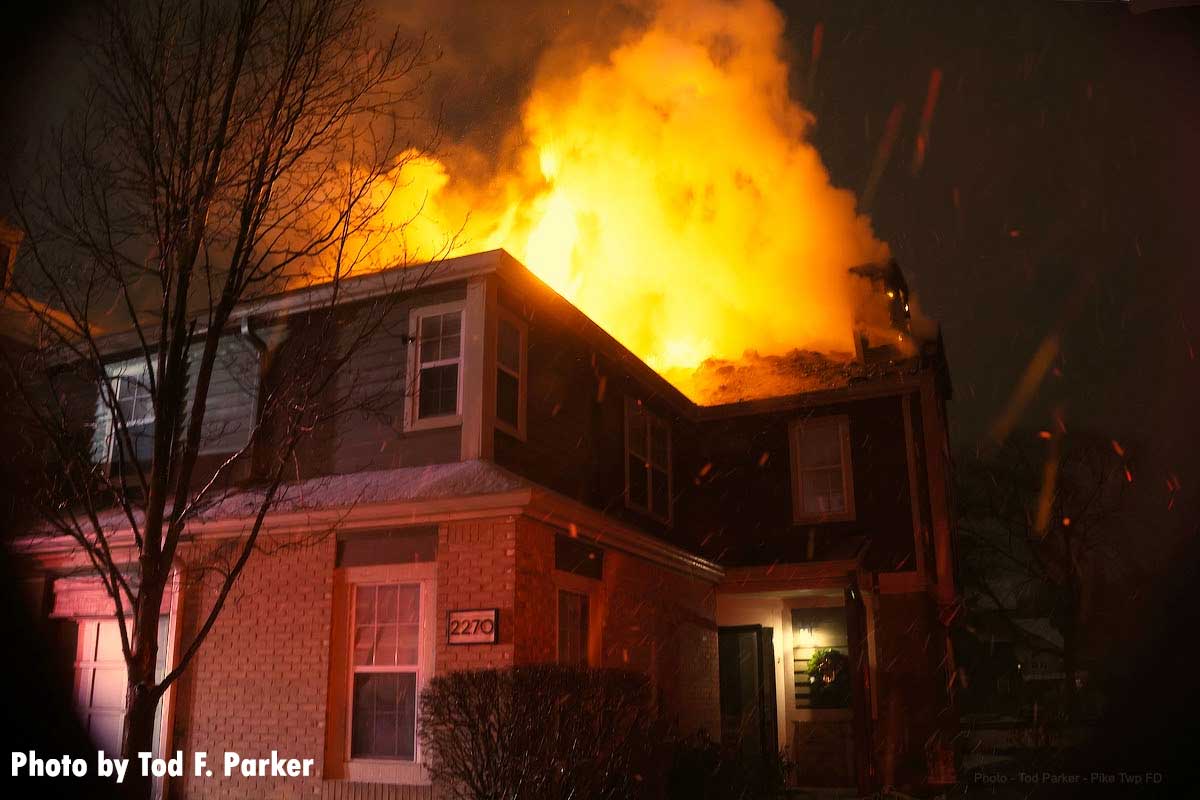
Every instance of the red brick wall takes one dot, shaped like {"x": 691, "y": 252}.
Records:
{"x": 259, "y": 682}
{"x": 654, "y": 620}
{"x": 476, "y": 569}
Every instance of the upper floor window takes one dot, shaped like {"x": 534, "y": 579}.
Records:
{"x": 437, "y": 365}
{"x": 647, "y": 461}
{"x": 822, "y": 477}
{"x": 132, "y": 442}
{"x": 510, "y": 375}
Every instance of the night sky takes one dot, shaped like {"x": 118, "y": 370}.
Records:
{"x": 1058, "y": 192}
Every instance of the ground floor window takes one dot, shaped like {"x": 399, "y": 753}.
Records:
{"x": 572, "y": 627}
{"x": 385, "y": 657}
{"x": 387, "y": 647}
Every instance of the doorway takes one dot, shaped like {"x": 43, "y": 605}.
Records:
{"x": 747, "y": 681}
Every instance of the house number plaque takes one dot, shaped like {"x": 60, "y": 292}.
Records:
{"x": 478, "y": 626}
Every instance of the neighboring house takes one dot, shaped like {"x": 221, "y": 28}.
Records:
{"x": 533, "y": 482}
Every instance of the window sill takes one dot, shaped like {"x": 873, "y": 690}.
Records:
{"x": 820, "y": 519}
{"x": 412, "y": 773}
{"x": 433, "y": 423}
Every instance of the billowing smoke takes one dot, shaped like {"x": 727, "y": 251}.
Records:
{"x": 658, "y": 176}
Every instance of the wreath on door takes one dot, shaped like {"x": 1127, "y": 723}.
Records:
{"x": 829, "y": 679}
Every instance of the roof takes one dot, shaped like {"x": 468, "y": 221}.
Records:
{"x": 794, "y": 374}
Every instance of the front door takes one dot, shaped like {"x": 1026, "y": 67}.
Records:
{"x": 747, "y": 676}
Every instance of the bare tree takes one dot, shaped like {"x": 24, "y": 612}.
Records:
{"x": 1041, "y": 525}
{"x": 222, "y": 152}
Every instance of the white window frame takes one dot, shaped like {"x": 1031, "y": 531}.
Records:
{"x": 105, "y": 440}
{"x": 380, "y": 770}
{"x": 521, "y": 374}
{"x": 795, "y": 429}
{"x": 633, "y": 406}
{"x": 412, "y": 422}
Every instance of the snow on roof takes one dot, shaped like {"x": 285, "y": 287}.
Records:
{"x": 405, "y": 484}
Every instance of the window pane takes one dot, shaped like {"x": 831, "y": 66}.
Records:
{"x": 385, "y": 604}
{"x": 364, "y": 604}
{"x": 637, "y": 482}
{"x": 408, "y": 644}
{"x": 660, "y": 494}
{"x": 660, "y": 443}
{"x": 384, "y": 716}
{"x": 431, "y": 328}
{"x": 507, "y": 397}
{"x": 820, "y": 446}
{"x": 508, "y": 346}
{"x": 408, "y": 603}
{"x": 438, "y": 391}
{"x": 143, "y": 442}
{"x": 451, "y": 346}
{"x": 635, "y": 440}
{"x": 364, "y": 644}
{"x": 385, "y": 645}
{"x": 452, "y": 323}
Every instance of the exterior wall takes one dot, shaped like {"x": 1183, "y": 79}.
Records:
{"x": 477, "y": 569}
{"x": 644, "y": 617}
{"x": 575, "y": 429}
{"x": 740, "y": 510}
{"x": 916, "y": 717}
{"x": 259, "y": 681}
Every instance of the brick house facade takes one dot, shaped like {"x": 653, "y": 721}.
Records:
{"x": 703, "y": 543}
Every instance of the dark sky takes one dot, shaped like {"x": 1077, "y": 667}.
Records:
{"x": 1058, "y": 192}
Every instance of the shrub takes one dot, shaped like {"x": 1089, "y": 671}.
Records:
{"x": 705, "y": 770}
{"x": 542, "y": 731}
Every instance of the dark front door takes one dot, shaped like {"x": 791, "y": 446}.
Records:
{"x": 747, "y": 666}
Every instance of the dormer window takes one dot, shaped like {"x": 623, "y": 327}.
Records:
{"x": 822, "y": 477}
{"x": 647, "y": 461}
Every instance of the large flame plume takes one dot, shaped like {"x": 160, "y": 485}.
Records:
{"x": 669, "y": 192}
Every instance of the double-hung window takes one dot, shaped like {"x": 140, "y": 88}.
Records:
{"x": 510, "y": 375}
{"x": 387, "y": 650}
{"x": 436, "y": 388}
{"x": 388, "y": 615}
{"x": 119, "y": 445}
{"x": 822, "y": 477}
{"x": 647, "y": 461}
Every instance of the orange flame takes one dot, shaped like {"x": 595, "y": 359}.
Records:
{"x": 668, "y": 191}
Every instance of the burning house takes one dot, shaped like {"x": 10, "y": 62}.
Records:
{"x": 777, "y": 558}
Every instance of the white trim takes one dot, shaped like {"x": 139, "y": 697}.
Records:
{"x": 795, "y": 427}
{"x": 423, "y": 574}
{"x": 413, "y": 380}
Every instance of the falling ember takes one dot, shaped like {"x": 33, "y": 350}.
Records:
{"x": 1120, "y": 451}
{"x": 668, "y": 191}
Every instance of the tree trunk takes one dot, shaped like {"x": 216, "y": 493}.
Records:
{"x": 141, "y": 693}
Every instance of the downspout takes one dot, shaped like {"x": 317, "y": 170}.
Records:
{"x": 250, "y": 337}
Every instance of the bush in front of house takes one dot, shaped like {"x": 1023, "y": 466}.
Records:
{"x": 543, "y": 731}
{"x": 703, "y": 769}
